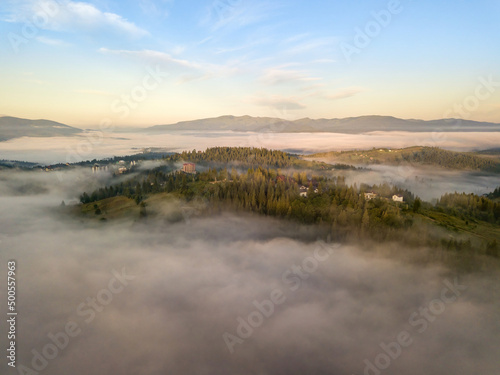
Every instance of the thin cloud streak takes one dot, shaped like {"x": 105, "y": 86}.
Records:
{"x": 274, "y": 76}
{"x": 53, "y": 42}
{"x": 76, "y": 16}
{"x": 278, "y": 102}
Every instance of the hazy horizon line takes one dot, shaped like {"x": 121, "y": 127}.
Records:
{"x": 144, "y": 126}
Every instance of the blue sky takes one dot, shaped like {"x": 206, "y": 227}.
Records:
{"x": 148, "y": 62}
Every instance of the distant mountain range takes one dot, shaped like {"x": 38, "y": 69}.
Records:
{"x": 14, "y": 127}
{"x": 351, "y": 125}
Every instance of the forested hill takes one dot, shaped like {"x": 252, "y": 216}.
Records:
{"x": 451, "y": 159}
{"x": 251, "y": 157}
{"x": 432, "y": 156}
{"x": 379, "y": 212}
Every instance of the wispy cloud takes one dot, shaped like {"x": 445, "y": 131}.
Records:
{"x": 324, "y": 61}
{"x": 154, "y": 8}
{"x": 177, "y": 50}
{"x": 93, "y": 92}
{"x": 236, "y": 13}
{"x": 75, "y": 16}
{"x": 315, "y": 86}
{"x": 343, "y": 93}
{"x": 188, "y": 70}
{"x": 323, "y": 45}
{"x": 205, "y": 40}
{"x": 30, "y": 77}
{"x": 152, "y": 55}
{"x": 274, "y": 76}
{"x": 222, "y": 50}
{"x": 53, "y": 42}
{"x": 278, "y": 102}
{"x": 35, "y": 81}
{"x": 297, "y": 38}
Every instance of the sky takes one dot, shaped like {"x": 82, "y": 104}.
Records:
{"x": 145, "y": 62}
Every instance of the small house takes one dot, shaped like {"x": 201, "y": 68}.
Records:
{"x": 370, "y": 195}
{"x": 189, "y": 168}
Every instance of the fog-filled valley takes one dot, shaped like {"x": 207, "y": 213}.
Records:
{"x": 108, "y": 143}
{"x": 427, "y": 183}
{"x": 236, "y": 187}
{"x": 232, "y": 293}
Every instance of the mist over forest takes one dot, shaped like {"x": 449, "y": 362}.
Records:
{"x": 249, "y": 187}
{"x": 189, "y": 284}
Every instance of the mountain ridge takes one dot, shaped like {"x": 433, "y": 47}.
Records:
{"x": 15, "y": 127}
{"x": 348, "y": 125}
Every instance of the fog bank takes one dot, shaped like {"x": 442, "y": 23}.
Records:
{"x": 162, "y": 297}
{"x": 98, "y": 145}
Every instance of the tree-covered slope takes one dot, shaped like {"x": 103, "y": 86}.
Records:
{"x": 432, "y": 156}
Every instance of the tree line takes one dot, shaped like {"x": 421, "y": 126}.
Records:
{"x": 450, "y": 159}
{"x": 251, "y": 157}
{"x": 470, "y": 206}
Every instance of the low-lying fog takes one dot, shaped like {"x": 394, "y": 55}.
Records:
{"x": 100, "y": 145}
{"x": 184, "y": 298}
{"x": 428, "y": 183}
